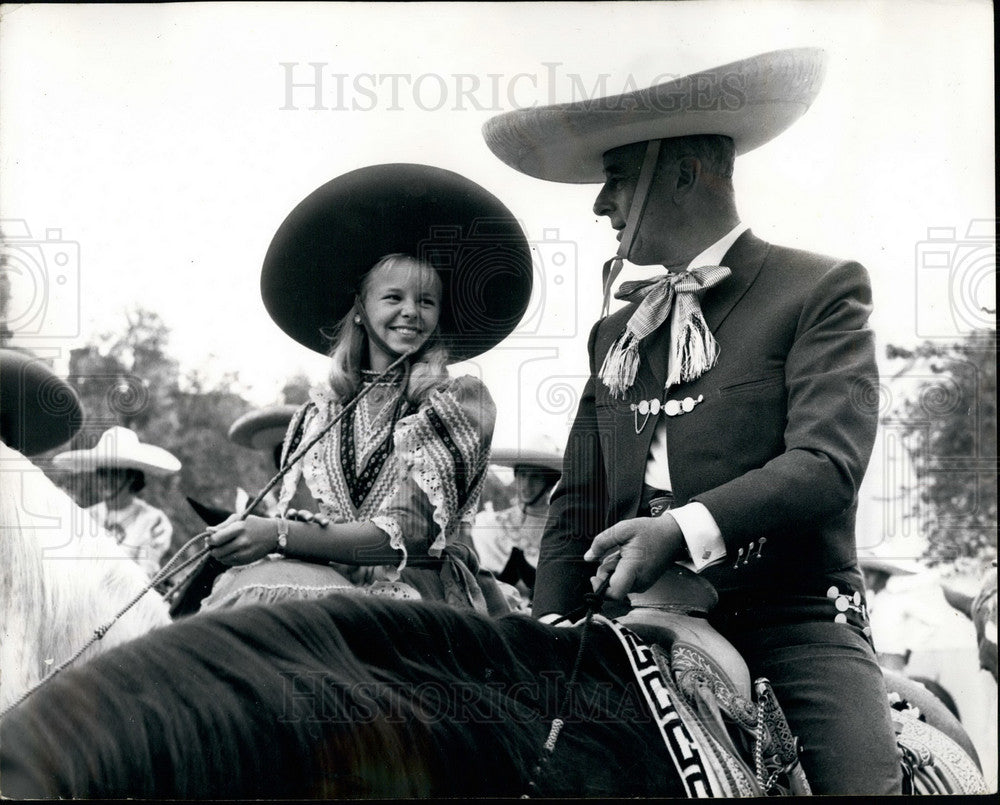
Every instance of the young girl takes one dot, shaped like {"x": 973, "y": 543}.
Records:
{"x": 397, "y": 480}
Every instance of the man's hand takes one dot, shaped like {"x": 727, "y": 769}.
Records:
{"x": 636, "y": 552}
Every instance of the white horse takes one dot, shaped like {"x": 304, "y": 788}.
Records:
{"x": 60, "y": 580}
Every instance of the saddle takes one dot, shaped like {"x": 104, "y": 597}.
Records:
{"x": 739, "y": 724}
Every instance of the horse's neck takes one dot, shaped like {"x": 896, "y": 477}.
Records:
{"x": 62, "y": 578}
{"x": 22, "y": 589}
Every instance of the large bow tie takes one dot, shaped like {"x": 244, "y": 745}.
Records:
{"x": 693, "y": 350}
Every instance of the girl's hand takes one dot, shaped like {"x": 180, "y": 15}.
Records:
{"x": 240, "y": 542}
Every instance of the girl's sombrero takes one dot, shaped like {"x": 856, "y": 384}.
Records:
{"x": 38, "y": 410}
{"x": 119, "y": 448}
{"x": 316, "y": 260}
{"x": 751, "y": 101}
{"x": 262, "y": 429}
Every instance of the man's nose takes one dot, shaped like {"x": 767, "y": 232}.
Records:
{"x": 602, "y": 204}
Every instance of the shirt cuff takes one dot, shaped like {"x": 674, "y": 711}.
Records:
{"x": 701, "y": 534}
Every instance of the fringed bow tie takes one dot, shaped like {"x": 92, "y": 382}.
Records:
{"x": 693, "y": 350}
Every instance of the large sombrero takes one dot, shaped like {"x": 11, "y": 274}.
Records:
{"x": 38, "y": 410}
{"x": 119, "y": 448}
{"x": 262, "y": 429}
{"x": 319, "y": 254}
{"x": 752, "y": 101}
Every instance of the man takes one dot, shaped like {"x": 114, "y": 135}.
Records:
{"x": 733, "y": 401}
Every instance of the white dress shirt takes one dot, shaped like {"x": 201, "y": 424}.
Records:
{"x": 701, "y": 533}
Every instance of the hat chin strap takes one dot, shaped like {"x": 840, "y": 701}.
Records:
{"x": 614, "y": 266}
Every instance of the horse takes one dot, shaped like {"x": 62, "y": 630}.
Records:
{"x": 351, "y": 696}
{"x": 60, "y": 580}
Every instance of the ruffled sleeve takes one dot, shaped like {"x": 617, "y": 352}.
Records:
{"x": 442, "y": 453}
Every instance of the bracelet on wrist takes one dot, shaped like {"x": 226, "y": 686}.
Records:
{"x": 281, "y": 546}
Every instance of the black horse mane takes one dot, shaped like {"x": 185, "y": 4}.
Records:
{"x": 343, "y": 697}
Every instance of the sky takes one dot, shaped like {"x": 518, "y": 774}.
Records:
{"x": 148, "y": 153}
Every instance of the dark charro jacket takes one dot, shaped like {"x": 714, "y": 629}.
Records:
{"x": 776, "y": 450}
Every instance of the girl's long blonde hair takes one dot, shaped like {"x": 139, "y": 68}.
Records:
{"x": 349, "y": 350}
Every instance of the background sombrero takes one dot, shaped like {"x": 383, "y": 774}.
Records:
{"x": 512, "y": 457}
{"x": 262, "y": 429}
{"x": 119, "y": 448}
{"x": 337, "y": 233}
{"x": 38, "y": 410}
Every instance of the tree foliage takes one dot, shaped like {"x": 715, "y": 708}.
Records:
{"x": 949, "y": 420}
{"x": 129, "y": 379}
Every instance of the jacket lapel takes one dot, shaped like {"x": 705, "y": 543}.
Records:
{"x": 744, "y": 258}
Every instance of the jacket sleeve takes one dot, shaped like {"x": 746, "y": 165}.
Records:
{"x": 831, "y": 382}
{"x": 577, "y": 511}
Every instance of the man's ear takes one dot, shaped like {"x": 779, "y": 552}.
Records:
{"x": 688, "y": 176}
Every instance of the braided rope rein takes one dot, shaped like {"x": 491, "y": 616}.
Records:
{"x": 169, "y": 571}
{"x": 593, "y": 603}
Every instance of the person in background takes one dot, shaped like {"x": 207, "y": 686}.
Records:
{"x": 264, "y": 429}
{"x": 508, "y": 541}
{"x": 118, "y": 465}
{"x": 887, "y": 611}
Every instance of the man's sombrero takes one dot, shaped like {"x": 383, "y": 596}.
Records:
{"x": 262, "y": 429}
{"x": 38, "y": 410}
{"x": 314, "y": 264}
{"x": 119, "y": 448}
{"x": 752, "y": 101}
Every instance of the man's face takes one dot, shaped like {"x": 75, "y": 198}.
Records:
{"x": 652, "y": 242}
